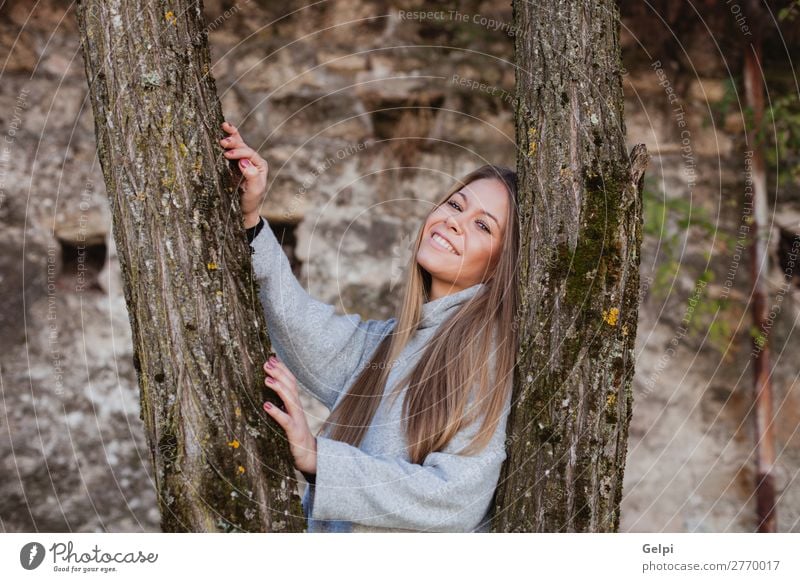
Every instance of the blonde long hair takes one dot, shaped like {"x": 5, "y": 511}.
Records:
{"x": 439, "y": 386}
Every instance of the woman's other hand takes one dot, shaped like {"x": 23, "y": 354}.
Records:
{"x": 254, "y": 169}
{"x": 302, "y": 444}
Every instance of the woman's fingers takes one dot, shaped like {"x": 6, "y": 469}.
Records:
{"x": 230, "y": 128}
{"x": 283, "y": 382}
{"x": 237, "y": 149}
{"x": 290, "y": 399}
{"x": 302, "y": 443}
{"x": 234, "y": 140}
{"x": 231, "y": 142}
{"x": 241, "y": 152}
{"x": 280, "y": 371}
{"x": 281, "y": 417}
{"x": 246, "y": 156}
{"x": 280, "y": 388}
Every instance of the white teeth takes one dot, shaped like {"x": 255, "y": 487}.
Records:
{"x": 444, "y": 243}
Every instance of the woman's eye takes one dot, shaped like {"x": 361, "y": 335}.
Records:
{"x": 455, "y": 205}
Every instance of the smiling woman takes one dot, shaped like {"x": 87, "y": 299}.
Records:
{"x": 481, "y": 267}
{"x": 432, "y": 463}
{"x": 468, "y": 229}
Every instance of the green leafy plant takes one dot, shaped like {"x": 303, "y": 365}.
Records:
{"x": 669, "y": 221}
{"x": 780, "y": 133}
{"x": 789, "y": 13}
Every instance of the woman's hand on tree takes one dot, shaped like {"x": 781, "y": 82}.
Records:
{"x": 254, "y": 170}
{"x": 302, "y": 444}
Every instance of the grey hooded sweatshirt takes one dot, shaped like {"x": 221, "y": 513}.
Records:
{"x": 373, "y": 487}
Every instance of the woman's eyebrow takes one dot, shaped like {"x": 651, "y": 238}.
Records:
{"x": 486, "y": 212}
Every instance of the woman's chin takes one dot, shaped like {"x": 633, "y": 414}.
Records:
{"x": 432, "y": 264}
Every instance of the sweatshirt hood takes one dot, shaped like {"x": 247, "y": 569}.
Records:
{"x": 436, "y": 311}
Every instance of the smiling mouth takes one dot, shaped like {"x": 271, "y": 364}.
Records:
{"x": 443, "y": 244}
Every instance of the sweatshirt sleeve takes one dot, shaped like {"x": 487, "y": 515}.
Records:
{"x": 449, "y": 492}
{"x": 320, "y": 347}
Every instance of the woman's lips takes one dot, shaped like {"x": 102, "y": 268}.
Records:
{"x": 440, "y": 245}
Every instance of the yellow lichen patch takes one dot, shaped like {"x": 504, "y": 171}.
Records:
{"x": 184, "y": 149}
{"x": 625, "y": 330}
{"x": 238, "y": 411}
{"x": 212, "y": 266}
{"x": 532, "y": 140}
{"x": 170, "y": 16}
{"x": 611, "y": 400}
{"x": 241, "y": 469}
{"x": 610, "y": 315}
{"x": 234, "y": 443}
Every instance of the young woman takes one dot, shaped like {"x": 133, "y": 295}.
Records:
{"x": 416, "y": 437}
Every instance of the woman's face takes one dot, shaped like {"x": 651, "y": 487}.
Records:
{"x": 472, "y": 221}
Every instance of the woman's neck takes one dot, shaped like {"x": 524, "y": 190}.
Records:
{"x": 441, "y": 289}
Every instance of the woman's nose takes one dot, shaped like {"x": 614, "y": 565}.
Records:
{"x": 451, "y": 221}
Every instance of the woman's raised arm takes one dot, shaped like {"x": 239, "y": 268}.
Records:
{"x": 319, "y": 346}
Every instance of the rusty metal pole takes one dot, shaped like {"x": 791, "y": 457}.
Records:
{"x": 762, "y": 386}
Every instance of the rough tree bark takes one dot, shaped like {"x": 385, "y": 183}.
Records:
{"x": 198, "y": 328}
{"x": 581, "y": 211}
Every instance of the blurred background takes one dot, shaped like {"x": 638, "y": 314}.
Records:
{"x": 365, "y": 116}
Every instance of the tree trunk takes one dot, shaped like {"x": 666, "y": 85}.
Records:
{"x": 581, "y": 212}
{"x": 198, "y": 328}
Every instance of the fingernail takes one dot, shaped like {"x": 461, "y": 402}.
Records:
{"x": 245, "y": 163}
{"x": 267, "y": 405}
